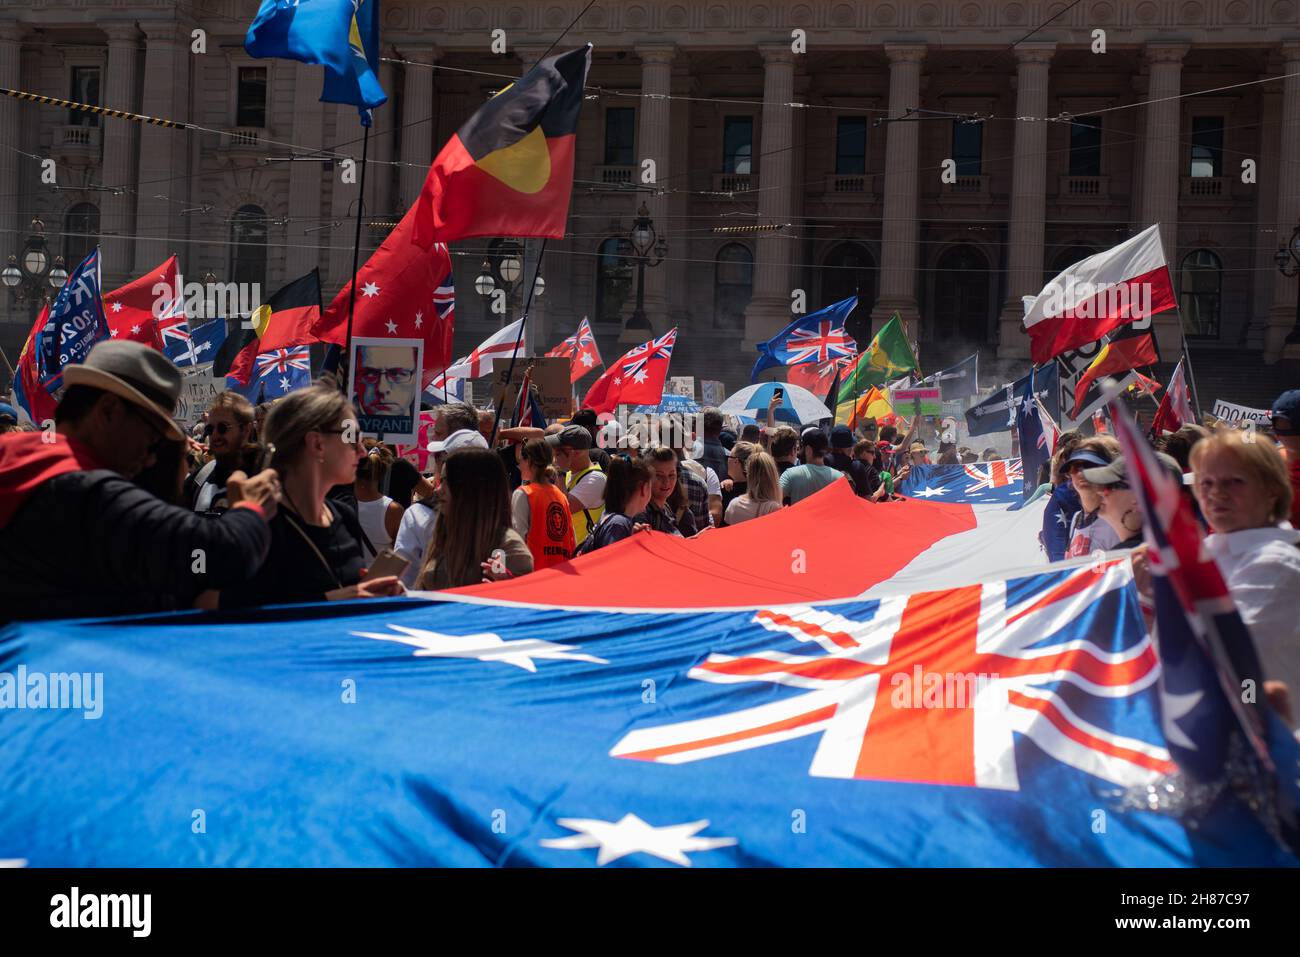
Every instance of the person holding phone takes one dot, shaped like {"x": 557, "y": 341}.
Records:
{"x": 316, "y": 552}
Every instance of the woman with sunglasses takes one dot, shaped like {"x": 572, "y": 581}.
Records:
{"x": 316, "y": 552}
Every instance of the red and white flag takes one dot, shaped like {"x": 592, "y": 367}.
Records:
{"x": 1096, "y": 295}
{"x": 400, "y": 295}
{"x": 817, "y": 377}
{"x": 636, "y": 379}
{"x": 1176, "y": 407}
{"x": 497, "y": 347}
{"x": 581, "y": 349}
{"x": 131, "y": 310}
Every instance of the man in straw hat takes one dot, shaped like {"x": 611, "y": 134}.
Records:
{"x": 79, "y": 538}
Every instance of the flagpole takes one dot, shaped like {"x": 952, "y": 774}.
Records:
{"x": 519, "y": 337}
{"x": 1187, "y": 358}
{"x": 356, "y": 253}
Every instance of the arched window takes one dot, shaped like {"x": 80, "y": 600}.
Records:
{"x": 849, "y": 270}
{"x": 1200, "y": 285}
{"x": 614, "y": 279}
{"x": 248, "y": 246}
{"x": 733, "y": 285}
{"x": 80, "y": 233}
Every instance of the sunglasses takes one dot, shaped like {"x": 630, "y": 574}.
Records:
{"x": 221, "y": 428}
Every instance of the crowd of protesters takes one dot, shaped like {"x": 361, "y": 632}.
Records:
{"x": 121, "y": 511}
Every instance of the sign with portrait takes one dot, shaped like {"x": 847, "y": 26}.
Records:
{"x": 384, "y": 387}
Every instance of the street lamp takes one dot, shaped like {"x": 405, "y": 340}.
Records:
{"x": 484, "y": 284}
{"x": 1288, "y": 264}
{"x": 30, "y": 275}
{"x": 650, "y": 250}
{"x": 510, "y": 268}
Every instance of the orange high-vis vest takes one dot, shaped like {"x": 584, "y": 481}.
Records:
{"x": 550, "y": 527}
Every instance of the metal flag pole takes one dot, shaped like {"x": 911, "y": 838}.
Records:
{"x": 519, "y": 338}
{"x": 356, "y": 253}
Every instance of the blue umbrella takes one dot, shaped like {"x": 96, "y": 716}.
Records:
{"x": 681, "y": 404}
{"x": 797, "y": 406}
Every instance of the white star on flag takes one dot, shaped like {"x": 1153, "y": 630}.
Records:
{"x": 631, "y": 834}
{"x": 112, "y": 332}
{"x": 587, "y": 360}
{"x": 484, "y": 647}
{"x": 392, "y": 327}
{"x": 640, "y": 375}
{"x": 284, "y": 383}
{"x": 370, "y": 290}
{"x": 617, "y": 381}
{"x": 419, "y": 318}
{"x": 1173, "y": 707}
{"x": 928, "y": 492}
{"x": 1062, "y": 520}
{"x": 135, "y": 329}
{"x": 117, "y": 307}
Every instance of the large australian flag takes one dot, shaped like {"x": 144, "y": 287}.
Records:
{"x": 817, "y": 337}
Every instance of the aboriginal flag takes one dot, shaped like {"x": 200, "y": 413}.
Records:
{"x": 509, "y": 170}
{"x": 282, "y": 322}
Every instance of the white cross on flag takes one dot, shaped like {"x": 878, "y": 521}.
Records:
{"x": 478, "y": 363}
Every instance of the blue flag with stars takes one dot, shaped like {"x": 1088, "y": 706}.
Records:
{"x": 275, "y": 373}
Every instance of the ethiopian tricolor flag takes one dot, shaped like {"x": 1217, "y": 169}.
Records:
{"x": 888, "y": 357}
{"x": 509, "y": 170}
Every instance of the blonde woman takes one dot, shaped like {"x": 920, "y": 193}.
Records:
{"x": 762, "y": 490}
{"x": 316, "y": 552}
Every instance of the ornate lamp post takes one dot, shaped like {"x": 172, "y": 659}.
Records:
{"x": 32, "y": 276}
{"x": 650, "y": 250}
{"x": 1288, "y": 264}
{"x": 510, "y": 268}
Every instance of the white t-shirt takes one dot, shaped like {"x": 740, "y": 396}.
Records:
{"x": 371, "y": 515}
{"x": 413, "y": 538}
{"x": 1261, "y": 567}
{"x": 590, "y": 490}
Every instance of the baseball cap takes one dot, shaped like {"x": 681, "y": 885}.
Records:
{"x": 461, "y": 439}
{"x": 841, "y": 437}
{"x": 571, "y": 436}
{"x": 1287, "y": 406}
{"x": 1087, "y": 457}
{"x": 1115, "y": 472}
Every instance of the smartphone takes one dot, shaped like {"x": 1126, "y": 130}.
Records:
{"x": 386, "y": 563}
{"x": 778, "y": 394}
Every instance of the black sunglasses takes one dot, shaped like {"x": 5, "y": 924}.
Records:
{"x": 221, "y": 428}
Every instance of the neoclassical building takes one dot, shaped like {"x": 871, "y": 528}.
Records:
{"x": 912, "y": 152}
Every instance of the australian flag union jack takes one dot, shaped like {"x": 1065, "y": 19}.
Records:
{"x": 817, "y": 338}
{"x": 990, "y": 483}
{"x": 661, "y": 348}
{"x": 275, "y": 374}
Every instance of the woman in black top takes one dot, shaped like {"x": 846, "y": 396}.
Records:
{"x": 316, "y": 552}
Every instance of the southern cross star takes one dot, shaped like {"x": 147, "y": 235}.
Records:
{"x": 484, "y": 647}
{"x": 630, "y": 834}
{"x": 392, "y": 327}
{"x": 928, "y": 492}
{"x": 370, "y": 290}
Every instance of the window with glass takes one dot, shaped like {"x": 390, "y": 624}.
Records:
{"x": 1200, "y": 294}
{"x": 620, "y": 136}
{"x": 614, "y": 279}
{"x": 1085, "y": 146}
{"x": 733, "y": 285}
{"x": 80, "y": 233}
{"x": 248, "y": 245}
{"x": 737, "y": 144}
{"x": 850, "y": 145}
{"x": 85, "y": 89}
{"x": 967, "y": 147}
{"x": 250, "y": 99}
{"x": 1207, "y": 146}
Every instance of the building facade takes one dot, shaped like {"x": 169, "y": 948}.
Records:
{"x": 913, "y": 153}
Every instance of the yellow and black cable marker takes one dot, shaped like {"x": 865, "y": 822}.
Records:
{"x": 758, "y": 228}
{"x": 98, "y": 110}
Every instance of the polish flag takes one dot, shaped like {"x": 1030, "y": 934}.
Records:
{"x": 1099, "y": 294}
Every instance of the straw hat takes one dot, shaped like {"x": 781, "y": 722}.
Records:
{"x": 134, "y": 372}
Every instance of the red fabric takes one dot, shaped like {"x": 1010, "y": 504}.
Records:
{"x": 30, "y": 394}
{"x": 130, "y": 308}
{"x": 1069, "y": 330}
{"x": 816, "y": 377}
{"x": 1175, "y": 409}
{"x": 619, "y": 383}
{"x": 403, "y": 277}
{"x": 1120, "y": 356}
{"x": 831, "y": 545}
{"x": 29, "y": 459}
{"x": 241, "y": 369}
{"x": 581, "y": 343}
{"x": 460, "y": 200}
{"x": 289, "y": 328}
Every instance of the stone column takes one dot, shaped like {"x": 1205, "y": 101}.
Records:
{"x": 1028, "y": 197}
{"x": 1161, "y": 175}
{"x": 164, "y": 165}
{"x": 769, "y": 309}
{"x": 304, "y": 176}
{"x": 654, "y": 142}
{"x": 116, "y": 210}
{"x": 900, "y": 229}
{"x": 1282, "y": 314}
{"x": 417, "y": 119}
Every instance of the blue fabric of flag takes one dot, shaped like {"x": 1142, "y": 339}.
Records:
{"x": 404, "y": 732}
{"x": 817, "y": 337}
{"x": 979, "y": 483}
{"x": 995, "y": 415}
{"x": 75, "y": 324}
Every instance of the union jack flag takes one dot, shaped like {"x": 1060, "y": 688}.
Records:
{"x": 444, "y": 299}
{"x": 661, "y": 348}
{"x": 828, "y": 341}
{"x": 996, "y": 474}
{"x": 284, "y": 360}
{"x": 1042, "y": 658}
